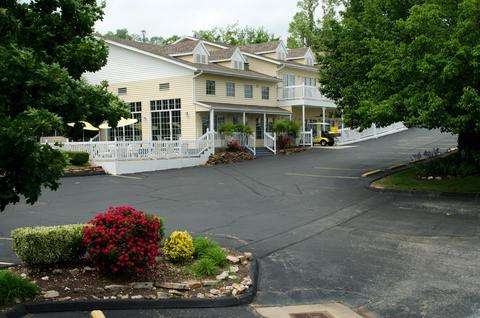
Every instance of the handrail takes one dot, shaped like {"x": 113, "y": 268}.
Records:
{"x": 270, "y": 142}
{"x": 250, "y": 143}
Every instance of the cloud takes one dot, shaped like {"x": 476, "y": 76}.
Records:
{"x": 181, "y": 17}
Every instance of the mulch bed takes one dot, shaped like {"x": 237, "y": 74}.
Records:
{"x": 229, "y": 157}
{"x": 289, "y": 151}
{"x": 78, "y": 171}
{"x": 167, "y": 280}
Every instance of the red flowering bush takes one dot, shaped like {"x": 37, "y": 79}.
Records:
{"x": 123, "y": 240}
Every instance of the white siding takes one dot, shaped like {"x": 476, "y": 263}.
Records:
{"x": 124, "y": 65}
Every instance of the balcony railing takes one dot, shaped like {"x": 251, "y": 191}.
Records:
{"x": 299, "y": 92}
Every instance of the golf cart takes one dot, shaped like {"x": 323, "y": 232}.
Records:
{"x": 325, "y": 134}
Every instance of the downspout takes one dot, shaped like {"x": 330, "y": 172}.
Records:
{"x": 194, "y": 98}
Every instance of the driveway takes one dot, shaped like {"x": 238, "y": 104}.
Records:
{"x": 319, "y": 234}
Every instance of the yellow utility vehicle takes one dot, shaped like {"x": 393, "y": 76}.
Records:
{"x": 325, "y": 134}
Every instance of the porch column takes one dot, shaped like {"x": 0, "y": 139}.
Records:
{"x": 244, "y": 119}
{"x": 264, "y": 123}
{"x": 303, "y": 117}
{"x": 323, "y": 116}
{"x": 212, "y": 119}
{"x": 342, "y": 121}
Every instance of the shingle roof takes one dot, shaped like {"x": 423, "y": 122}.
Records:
{"x": 260, "y": 47}
{"x": 297, "y": 53}
{"x": 207, "y": 68}
{"x": 221, "y": 54}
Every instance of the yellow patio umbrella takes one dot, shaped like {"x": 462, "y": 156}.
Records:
{"x": 121, "y": 123}
{"x": 86, "y": 126}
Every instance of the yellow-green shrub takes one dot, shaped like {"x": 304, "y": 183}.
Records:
{"x": 179, "y": 247}
{"x": 44, "y": 245}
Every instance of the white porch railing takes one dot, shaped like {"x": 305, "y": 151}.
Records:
{"x": 270, "y": 142}
{"x": 306, "y": 138}
{"x": 138, "y": 150}
{"x": 350, "y": 136}
{"x": 299, "y": 92}
{"x": 250, "y": 143}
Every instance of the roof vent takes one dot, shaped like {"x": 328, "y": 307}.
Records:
{"x": 196, "y": 35}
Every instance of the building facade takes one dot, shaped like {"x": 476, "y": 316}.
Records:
{"x": 181, "y": 90}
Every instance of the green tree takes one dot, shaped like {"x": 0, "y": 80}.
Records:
{"x": 304, "y": 26}
{"x": 411, "y": 61}
{"x": 235, "y": 35}
{"x": 45, "y": 47}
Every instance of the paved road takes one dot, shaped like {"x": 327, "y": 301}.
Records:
{"x": 319, "y": 234}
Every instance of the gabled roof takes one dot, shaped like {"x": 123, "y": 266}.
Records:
{"x": 261, "y": 47}
{"x": 222, "y": 55}
{"x": 297, "y": 53}
{"x": 191, "y": 38}
{"x": 158, "y": 51}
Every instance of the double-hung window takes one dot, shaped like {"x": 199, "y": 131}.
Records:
{"x": 210, "y": 87}
{"x": 248, "y": 91}
{"x": 265, "y": 92}
{"x": 231, "y": 89}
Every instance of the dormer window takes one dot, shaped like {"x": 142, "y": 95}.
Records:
{"x": 239, "y": 65}
{"x": 308, "y": 61}
{"x": 282, "y": 56}
{"x": 200, "y": 58}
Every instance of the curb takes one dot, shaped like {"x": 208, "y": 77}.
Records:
{"x": 424, "y": 194}
{"x": 110, "y": 304}
{"x": 84, "y": 174}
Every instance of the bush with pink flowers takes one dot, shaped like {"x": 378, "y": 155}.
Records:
{"x": 123, "y": 240}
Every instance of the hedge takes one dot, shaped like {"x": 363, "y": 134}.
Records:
{"x": 45, "y": 245}
{"x": 77, "y": 158}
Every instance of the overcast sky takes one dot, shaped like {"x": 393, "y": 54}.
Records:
{"x": 168, "y": 17}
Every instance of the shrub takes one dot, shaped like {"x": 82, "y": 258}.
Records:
{"x": 227, "y": 129}
{"x": 44, "y": 245}
{"x": 216, "y": 255}
{"x": 13, "y": 287}
{"x": 453, "y": 165}
{"x": 179, "y": 247}
{"x": 205, "y": 267}
{"x": 123, "y": 240}
{"x": 77, "y": 158}
{"x": 283, "y": 141}
{"x": 202, "y": 245}
{"x": 234, "y": 146}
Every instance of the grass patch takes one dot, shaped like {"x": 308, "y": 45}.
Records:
{"x": 13, "y": 287}
{"x": 217, "y": 255}
{"x": 407, "y": 180}
{"x": 205, "y": 267}
{"x": 202, "y": 245}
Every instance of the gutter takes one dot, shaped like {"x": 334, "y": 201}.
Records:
{"x": 194, "y": 98}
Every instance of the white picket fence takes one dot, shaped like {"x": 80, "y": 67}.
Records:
{"x": 350, "y": 136}
{"x": 140, "y": 150}
{"x": 306, "y": 138}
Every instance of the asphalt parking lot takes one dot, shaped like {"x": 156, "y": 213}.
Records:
{"x": 319, "y": 234}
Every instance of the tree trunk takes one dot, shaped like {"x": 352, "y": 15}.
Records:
{"x": 468, "y": 143}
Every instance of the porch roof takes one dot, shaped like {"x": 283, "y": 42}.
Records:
{"x": 235, "y": 108}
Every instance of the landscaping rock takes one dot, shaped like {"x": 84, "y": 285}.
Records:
{"x": 232, "y": 277}
{"x": 194, "y": 284}
{"x": 222, "y": 276}
{"x": 162, "y": 295}
{"x": 23, "y": 275}
{"x": 175, "y": 292}
{"x": 88, "y": 269}
{"x": 239, "y": 288}
{"x": 65, "y": 298}
{"x": 123, "y": 296}
{"x": 137, "y": 297}
{"x": 200, "y": 295}
{"x": 234, "y": 269}
{"x": 233, "y": 259}
{"x": 248, "y": 256}
{"x": 208, "y": 283}
{"x": 178, "y": 286}
{"x": 142, "y": 285}
{"x": 438, "y": 178}
{"x": 51, "y": 294}
{"x": 79, "y": 290}
{"x": 44, "y": 278}
{"x": 114, "y": 287}
{"x": 57, "y": 271}
{"x": 74, "y": 271}
{"x": 430, "y": 178}
{"x": 247, "y": 281}
{"x": 215, "y": 292}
